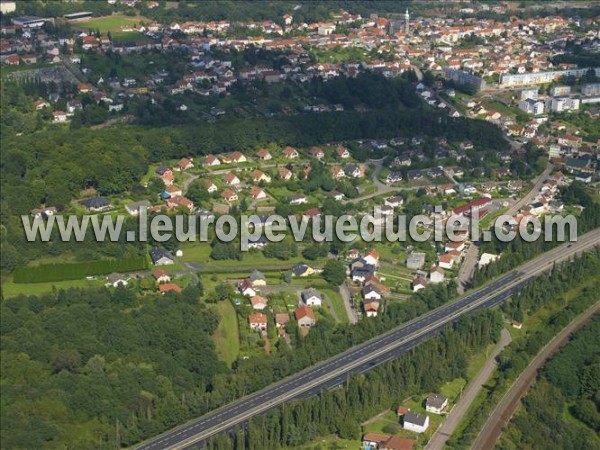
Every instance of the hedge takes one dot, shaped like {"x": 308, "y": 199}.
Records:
{"x": 75, "y": 271}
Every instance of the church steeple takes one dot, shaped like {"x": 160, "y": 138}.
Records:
{"x": 406, "y": 21}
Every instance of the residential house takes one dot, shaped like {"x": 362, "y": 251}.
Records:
{"x": 305, "y": 317}
{"x": 264, "y": 154}
{"x": 233, "y": 158}
{"x": 173, "y": 191}
{"x": 418, "y": 283}
{"x": 371, "y": 307}
{"x": 42, "y": 213}
{"x": 59, "y": 116}
{"x": 445, "y": 261}
{"x": 259, "y": 302}
{"x": 212, "y": 160}
{"x": 298, "y": 199}
{"x": 436, "y": 403}
{"x": 302, "y": 270}
{"x": 210, "y": 186}
{"x": 371, "y": 292}
{"x": 135, "y": 207}
{"x": 317, "y": 152}
{"x": 395, "y": 201}
{"x": 257, "y": 193}
{"x": 257, "y": 278}
{"x": 312, "y": 297}
{"x": 160, "y": 257}
{"x": 284, "y": 174}
{"x": 342, "y": 152}
{"x": 459, "y": 246}
{"x": 161, "y": 276}
{"x": 393, "y": 177}
{"x": 436, "y": 275}
{"x": 362, "y": 273}
{"x": 258, "y": 321}
{"x": 183, "y": 164}
{"x": 336, "y": 195}
{"x": 376, "y": 441}
{"x": 354, "y": 171}
{"x": 231, "y": 179}
{"x": 116, "y": 280}
{"x": 179, "y": 201}
{"x": 290, "y": 152}
{"x": 96, "y": 204}
{"x": 169, "y": 287}
{"x": 259, "y": 175}
{"x": 415, "y": 422}
{"x": 372, "y": 257}
{"x": 246, "y": 288}
{"x": 337, "y": 172}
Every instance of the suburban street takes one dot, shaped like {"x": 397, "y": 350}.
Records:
{"x": 367, "y": 355}
{"x": 527, "y": 198}
{"x": 455, "y": 416}
{"x": 509, "y": 403}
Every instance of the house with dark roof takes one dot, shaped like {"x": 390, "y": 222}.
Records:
{"x": 436, "y": 403}
{"x": 96, "y": 204}
{"x": 311, "y": 297}
{"x": 160, "y": 257}
{"x": 415, "y": 422}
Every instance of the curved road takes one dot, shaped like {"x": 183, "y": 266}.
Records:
{"x": 364, "y": 357}
{"x": 509, "y": 403}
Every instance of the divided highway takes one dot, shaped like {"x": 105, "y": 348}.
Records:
{"x": 363, "y": 357}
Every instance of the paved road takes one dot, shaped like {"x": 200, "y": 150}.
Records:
{"x": 527, "y": 198}
{"x": 509, "y": 403}
{"x": 363, "y": 357}
{"x": 455, "y": 416}
{"x": 467, "y": 268}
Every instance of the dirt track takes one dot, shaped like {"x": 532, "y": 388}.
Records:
{"x": 507, "y": 406}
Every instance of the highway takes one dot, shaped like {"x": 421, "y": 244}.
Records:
{"x": 367, "y": 355}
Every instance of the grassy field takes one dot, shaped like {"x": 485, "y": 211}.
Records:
{"x": 199, "y": 253}
{"x": 227, "y": 338}
{"x": 338, "y": 304}
{"x": 111, "y": 23}
{"x": 11, "y": 289}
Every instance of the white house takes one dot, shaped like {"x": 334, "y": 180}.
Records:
{"x": 436, "y": 403}
{"x": 416, "y": 422}
{"x": 436, "y": 275}
{"x": 258, "y": 321}
{"x": 311, "y": 297}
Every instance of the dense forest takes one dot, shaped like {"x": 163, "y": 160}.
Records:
{"x": 564, "y": 404}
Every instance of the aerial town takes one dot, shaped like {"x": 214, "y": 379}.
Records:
{"x": 128, "y": 108}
